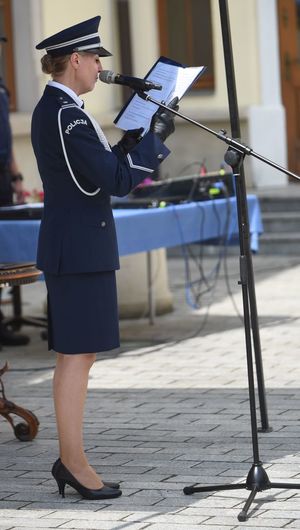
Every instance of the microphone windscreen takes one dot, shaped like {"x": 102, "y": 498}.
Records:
{"x": 107, "y": 76}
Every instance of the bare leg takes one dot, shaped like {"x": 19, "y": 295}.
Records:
{"x": 69, "y": 389}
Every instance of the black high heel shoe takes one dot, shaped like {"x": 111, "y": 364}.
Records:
{"x": 114, "y": 485}
{"x": 63, "y": 476}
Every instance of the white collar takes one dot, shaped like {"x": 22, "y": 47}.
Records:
{"x": 68, "y": 91}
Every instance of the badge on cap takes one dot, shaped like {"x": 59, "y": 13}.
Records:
{"x": 80, "y": 37}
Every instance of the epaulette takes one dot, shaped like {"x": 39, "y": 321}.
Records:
{"x": 63, "y": 101}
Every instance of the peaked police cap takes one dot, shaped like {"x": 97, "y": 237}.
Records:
{"x": 80, "y": 37}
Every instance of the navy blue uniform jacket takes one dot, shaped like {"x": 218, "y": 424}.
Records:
{"x": 79, "y": 174}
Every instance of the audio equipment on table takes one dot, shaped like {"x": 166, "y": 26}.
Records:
{"x": 215, "y": 185}
{"x": 157, "y": 194}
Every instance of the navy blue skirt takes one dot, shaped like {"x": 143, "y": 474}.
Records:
{"x": 82, "y": 312}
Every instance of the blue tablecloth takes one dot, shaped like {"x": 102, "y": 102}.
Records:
{"x": 140, "y": 230}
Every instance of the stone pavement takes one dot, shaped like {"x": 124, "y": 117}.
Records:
{"x": 169, "y": 410}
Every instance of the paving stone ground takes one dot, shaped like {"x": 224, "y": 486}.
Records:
{"x": 168, "y": 410}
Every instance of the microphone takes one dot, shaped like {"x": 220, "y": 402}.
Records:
{"x": 133, "y": 82}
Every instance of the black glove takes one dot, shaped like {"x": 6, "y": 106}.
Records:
{"x": 130, "y": 139}
{"x": 162, "y": 122}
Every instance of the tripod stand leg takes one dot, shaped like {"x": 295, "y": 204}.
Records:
{"x": 243, "y": 514}
{"x": 241, "y": 190}
{"x": 285, "y": 485}
{"x": 189, "y": 490}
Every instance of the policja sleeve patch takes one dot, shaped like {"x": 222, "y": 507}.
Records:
{"x": 73, "y": 124}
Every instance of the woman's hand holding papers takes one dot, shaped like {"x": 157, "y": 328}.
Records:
{"x": 130, "y": 139}
{"x": 162, "y": 122}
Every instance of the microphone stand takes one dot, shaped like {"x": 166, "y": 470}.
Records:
{"x": 221, "y": 135}
{"x": 257, "y": 479}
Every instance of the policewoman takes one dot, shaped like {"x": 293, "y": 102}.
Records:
{"x": 77, "y": 247}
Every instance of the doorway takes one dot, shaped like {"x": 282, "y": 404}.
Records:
{"x": 289, "y": 39}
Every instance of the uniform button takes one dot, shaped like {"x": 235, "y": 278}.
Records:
{"x": 160, "y": 156}
{"x": 103, "y": 224}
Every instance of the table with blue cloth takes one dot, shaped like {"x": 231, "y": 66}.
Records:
{"x": 146, "y": 229}
{"x": 143, "y": 230}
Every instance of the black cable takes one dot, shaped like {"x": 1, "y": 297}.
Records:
{"x": 197, "y": 260}
{"x": 223, "y": 247}
{"x": 220, "y": 254}
{"x": 210, "y": 287}
{"x": 188, "y": 166}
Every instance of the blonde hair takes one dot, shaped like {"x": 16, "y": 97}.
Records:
{"x": 54, "y": 65}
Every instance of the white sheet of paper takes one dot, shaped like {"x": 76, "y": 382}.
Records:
{"x": 175, "y": 81}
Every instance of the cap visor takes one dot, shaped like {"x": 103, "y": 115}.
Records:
{"x": 102, "y": 52}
